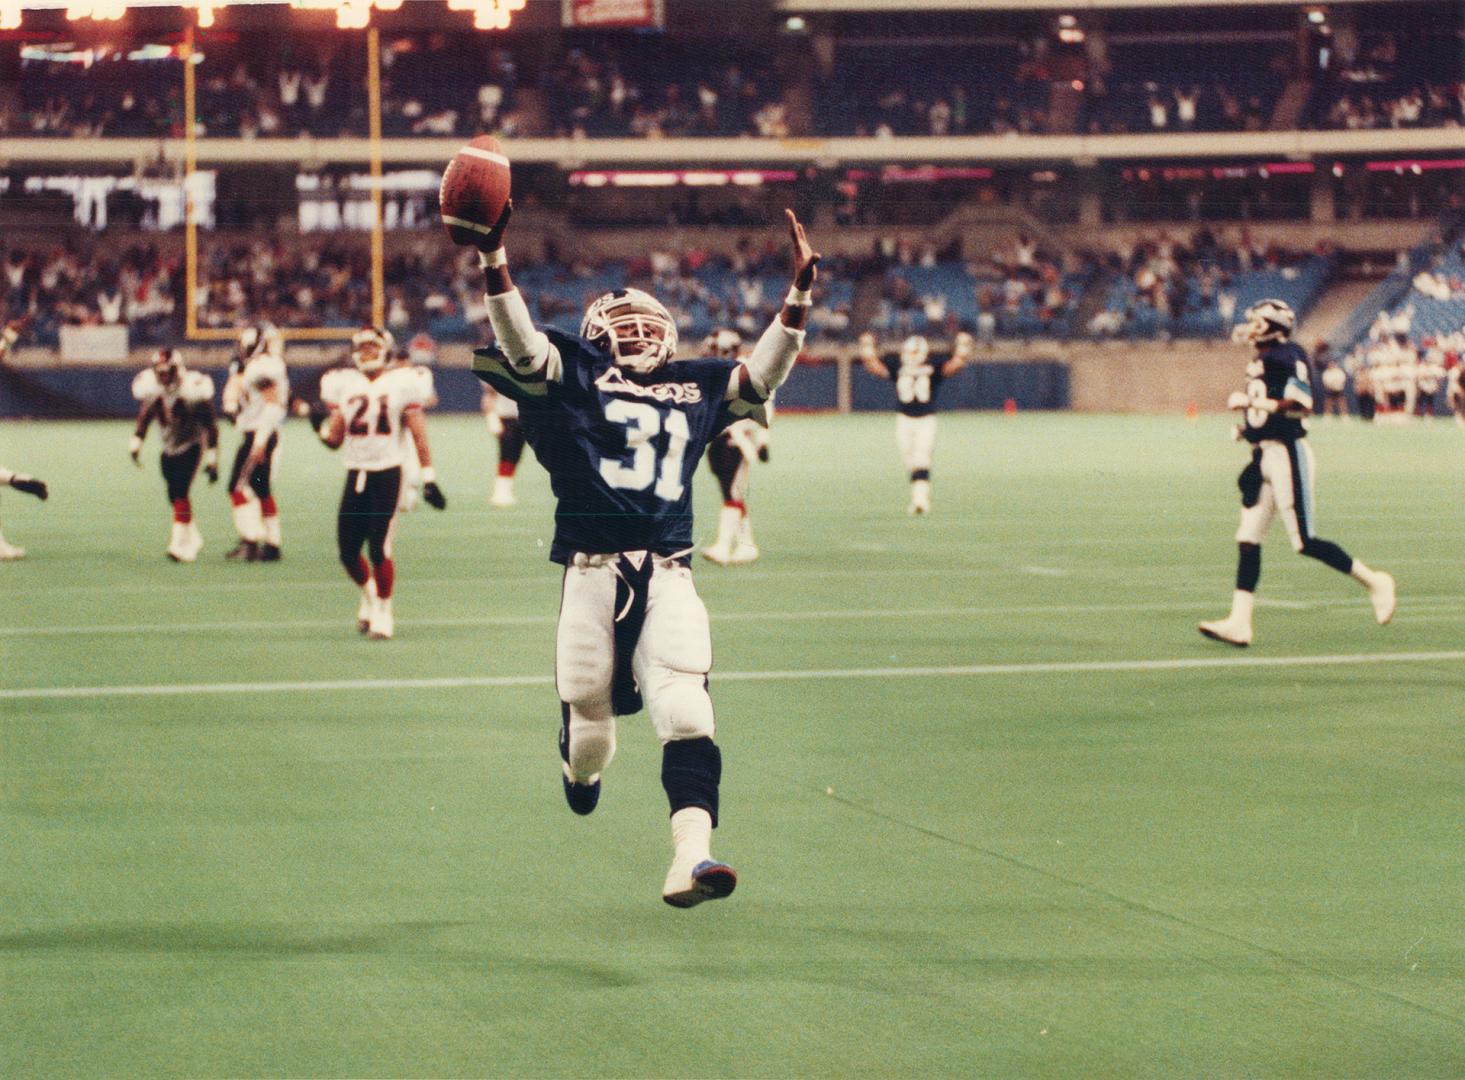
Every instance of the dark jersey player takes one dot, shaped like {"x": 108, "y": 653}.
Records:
{"x": 917, "y": 383}
{"x": 620, "y": 426}
{"x": 1279, "y": 479}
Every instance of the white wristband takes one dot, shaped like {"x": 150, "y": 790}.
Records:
{"x": 798, "y": 297}
{"x": 429, "y": 474}
{"x": 491, "y": 260}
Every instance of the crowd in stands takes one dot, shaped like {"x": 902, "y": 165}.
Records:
{"x": 57, "y": 286}
{"x": 1392, "y": 81}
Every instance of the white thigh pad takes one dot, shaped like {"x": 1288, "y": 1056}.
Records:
{"x": 584, "y": 648}
{"x": 674, "y": 656}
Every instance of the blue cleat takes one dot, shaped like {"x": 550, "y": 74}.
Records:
{"x": 710, "y": 880}
{"x": 581, "y": 797}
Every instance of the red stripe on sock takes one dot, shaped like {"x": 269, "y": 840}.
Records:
{"x": 267, "y": 506}
{"x": 386, "y": 575}
{"x": 238, "y": 498}
{"x": 506, "y": 468}
{"x": 182, "y": 511}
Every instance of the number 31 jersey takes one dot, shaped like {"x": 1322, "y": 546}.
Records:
{"x": 373, "y": 410}
{"x": 621, "y": 449}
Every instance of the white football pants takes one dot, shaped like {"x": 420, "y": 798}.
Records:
{"x": 671, "y": 659}
{"x": 1287, "y": 491}
{"x": 916, "y": 437}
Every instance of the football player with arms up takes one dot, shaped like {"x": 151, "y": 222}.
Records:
{"x": 1279, "y": 480}
{"x": 917, "y": 383}
{"x": 369, "y": 408}
{"x": 730, "y": 456}
{"x": 257, "y": 395}
{"x": 620, "y": 426}
{"x": 182, "y": 402}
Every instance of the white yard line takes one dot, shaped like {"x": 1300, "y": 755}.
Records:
{"x": 814, "y": 615}
{"x": 1188, "y": 663}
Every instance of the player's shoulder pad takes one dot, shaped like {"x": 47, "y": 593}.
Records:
{"x": 145, "y": 385}
{"x": 573, "y": 347}
{"x": 265, "y": 368}
{"x": 196, "y": 387}
{"x": 333, "y": 384}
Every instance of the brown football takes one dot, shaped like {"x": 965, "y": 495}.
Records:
{"x": 474, "y": 190}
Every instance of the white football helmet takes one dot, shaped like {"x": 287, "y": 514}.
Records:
{"x": 371, "y": 348}
{"x": 1266, "y": 321}
{"x": 261, "y": 339}
{"x": 634, "y": 327}
{"x": 168, "y": 366}
{"x": 914, "y": 351}
{"x": 723, "y": 344}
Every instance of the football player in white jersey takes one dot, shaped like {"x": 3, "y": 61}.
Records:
{"x": 412, "y": 472}
{"x": 730, "y": 457}
{"x": 917, "y": 383}
{"x": 1455, "y": 393}
{"x": 182, "y": 402}
{"x": 501, "y": 413}
{"x": 257, "y": 396}
{"x": 370, "y": 406}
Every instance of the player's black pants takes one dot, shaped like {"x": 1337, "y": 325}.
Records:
{"x": 727, "y": 462}
{"x": 179, "y": 471}
{"x": 368, "y": 511}
{"x": 259, "y": 479}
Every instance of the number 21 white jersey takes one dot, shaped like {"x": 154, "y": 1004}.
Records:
{"x": 373, "y": 410}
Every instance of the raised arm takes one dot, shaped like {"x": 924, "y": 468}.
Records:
{"x": 526, "y": 347}
{"x": 961, "y": 353}
{"x": 768, "y": 365}
{"x": 417, "y": 425}
{"x": 869, "y": 356}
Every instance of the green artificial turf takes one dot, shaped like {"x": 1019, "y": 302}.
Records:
{"x": 959, "y": 854}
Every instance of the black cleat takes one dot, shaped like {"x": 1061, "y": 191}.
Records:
{"x": 582, "y": 798}
{"x": 269, "y": 553}
{"x": 244, "y": 551}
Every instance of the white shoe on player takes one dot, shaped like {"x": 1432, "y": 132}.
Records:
{"x": 1381, "y": 592}
{"x": 381, "y": 620}
{"x": 720, "y": 553}
{"x": 9, "y": 552}
{"x": 363, "y": 609}
{"x": 743, "y": 553}
{"x": 503, "y": 493}
{"x": 1231, "y": 631}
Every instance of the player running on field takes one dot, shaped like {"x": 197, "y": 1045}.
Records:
{"x": 1279, "y": 479}
{"x": 501, "y": 413}
{"x": 182, "y": 402}
{"x": 257, "y": 396}
{"x": 917, "y": 383}
{"x": 730, "y": 456}
{"x": 370, "y": 406}
{"x": 620, "y": 426}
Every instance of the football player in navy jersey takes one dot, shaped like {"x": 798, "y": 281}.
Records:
{"x": 620, "y": 426}
{"x": 917, "y": 383}
{"x": 1279, "y": 479}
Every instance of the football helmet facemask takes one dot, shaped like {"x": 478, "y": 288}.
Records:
{"x": 167, "y": 367}
{"x": 261, "y": 339}
{"x": 371, "y": 348}
{"x": 634, "y": 327}
{"x": 914, "y": 351}
{"x": 1266, "y": 321}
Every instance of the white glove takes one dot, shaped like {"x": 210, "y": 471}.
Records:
{"x": 134, "y": 447}
{"x": 1238, "y": 400}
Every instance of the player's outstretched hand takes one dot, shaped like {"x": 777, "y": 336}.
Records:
{"x": 211, "y": 465}
{"x": 134, "y": 450}
{"x": 805, "y": 257}
{"x": 31, "y": 486}
{"x": 317, "y": 414}
{"x": 494, "y": 238}
{"x": 433, "y": 496}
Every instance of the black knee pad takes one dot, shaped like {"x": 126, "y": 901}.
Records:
{"x": 691, "y": 770}
{"x": 920, "y": 474}
{"x": 1250, "y": 481}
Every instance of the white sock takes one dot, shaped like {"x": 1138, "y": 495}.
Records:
{"x": 179, "y": 536}
{"x": 248, "y": 522}
{"x": 727, "y": 525}
{"x": 1241, "y": 604}
{"x": 1362, "y": 574}
{"x": 271, "y": 527}
{"x": 691, "y": 835}
{"x": 920, "y": 490}
{"x": 745, "y": 530}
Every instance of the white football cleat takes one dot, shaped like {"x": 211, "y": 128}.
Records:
{"x": 503, "y": 493}
{"x": 687, "y": 886}
{"x": 1381, "y": 592}
{"x": 721, "y": 554}
{"x": 381, "y": 621}
{"x": 744, "y": 553}
{"x": 9, "y": 552}
{"x": 1231, "y": 631}
{"x": 363, "y": 610}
